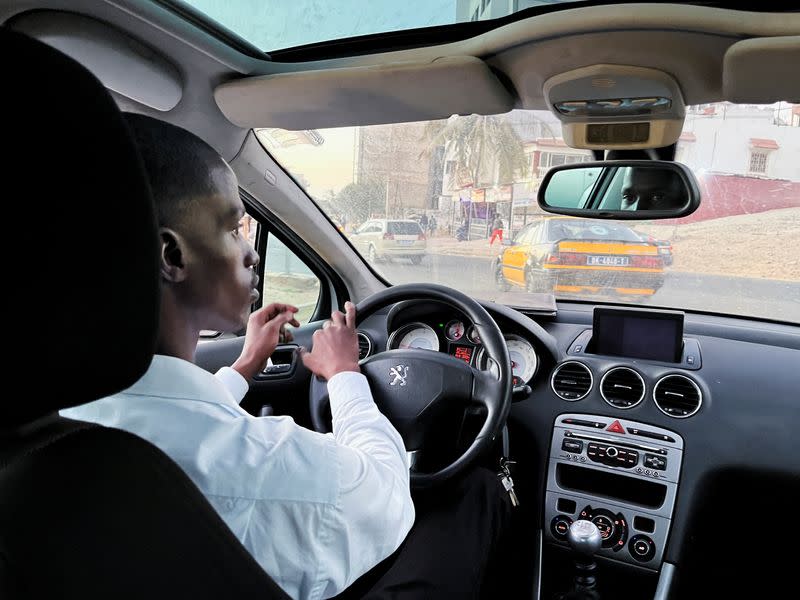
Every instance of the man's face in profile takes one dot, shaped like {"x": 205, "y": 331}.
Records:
{"x": 651, "y": 189}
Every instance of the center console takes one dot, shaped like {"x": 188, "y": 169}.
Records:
{"x": 620, "y": 475}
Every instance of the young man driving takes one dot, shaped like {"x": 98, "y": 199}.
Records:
{"x": 316, "y": 511}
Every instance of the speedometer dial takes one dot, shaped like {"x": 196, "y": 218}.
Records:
{"x": 414, "y": 335}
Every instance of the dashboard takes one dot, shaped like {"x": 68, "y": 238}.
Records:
{"x": 707, "y": 435}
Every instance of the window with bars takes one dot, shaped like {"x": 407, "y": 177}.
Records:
{"x": 758, "y": 162}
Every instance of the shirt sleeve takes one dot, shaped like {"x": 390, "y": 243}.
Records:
{"x": 233, "y": 381}
{"x": 375, "y": 511}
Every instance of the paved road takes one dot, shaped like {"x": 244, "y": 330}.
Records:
{"x": 734, "y": 295}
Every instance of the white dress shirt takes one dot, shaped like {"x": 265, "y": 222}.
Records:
{"x": 315, "y": 510}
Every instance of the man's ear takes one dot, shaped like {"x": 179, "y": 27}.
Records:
{"x": 172, "y": 259}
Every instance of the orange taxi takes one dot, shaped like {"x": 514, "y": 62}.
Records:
{"x": 570, "y": 255}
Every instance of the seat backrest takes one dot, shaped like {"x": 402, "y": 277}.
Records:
{"x": 87, "y": 511}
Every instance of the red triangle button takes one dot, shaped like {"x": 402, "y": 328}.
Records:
{"x": 615, "y": 427}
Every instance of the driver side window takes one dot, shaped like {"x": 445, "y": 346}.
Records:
{"x": 288, "y": 279}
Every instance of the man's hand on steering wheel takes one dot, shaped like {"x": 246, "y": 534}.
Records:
{"x": 335, "y": 348}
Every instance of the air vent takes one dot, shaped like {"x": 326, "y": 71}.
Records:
{"x": 364, "y": 345}
{"x": 622, "y": 387}
{"x": 571, "y": 380}
{"x": 677, "y": 396}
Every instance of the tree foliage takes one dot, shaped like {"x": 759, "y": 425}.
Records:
{"x": 486, "y": 149}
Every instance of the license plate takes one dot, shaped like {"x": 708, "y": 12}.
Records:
{"x": 608, "y": 261}
{"x": 404, "y": 242}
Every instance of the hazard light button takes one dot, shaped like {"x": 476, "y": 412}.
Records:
{"x": 615, "y": 427}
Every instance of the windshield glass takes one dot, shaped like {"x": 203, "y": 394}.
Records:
{"x": 470, "y": 184}
{"x": 277, "y": 24}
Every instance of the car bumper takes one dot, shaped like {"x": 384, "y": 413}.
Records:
{"x": 404, "y": 251}
{"x": 604, "y": 281}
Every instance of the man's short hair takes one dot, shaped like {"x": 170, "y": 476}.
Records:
{"x": 178, "y": 165}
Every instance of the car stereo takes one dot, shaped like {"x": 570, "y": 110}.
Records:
{"x": 622, "y": 476}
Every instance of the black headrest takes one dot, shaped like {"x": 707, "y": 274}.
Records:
{"x": 80, "y": 247}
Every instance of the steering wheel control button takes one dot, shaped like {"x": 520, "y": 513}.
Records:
{"x": 642, "y": 548}
{"x": 575, "y": 446}
{"x": 559, "y": 526}
{"x": 655, "y": 462}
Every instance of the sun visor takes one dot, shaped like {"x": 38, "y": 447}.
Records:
{"x": 120, "y": 62}
{"x": 762, "y": 70}
{"x": 391, "y": 93}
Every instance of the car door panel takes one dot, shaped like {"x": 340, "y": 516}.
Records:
{"x": 286, "y": 393}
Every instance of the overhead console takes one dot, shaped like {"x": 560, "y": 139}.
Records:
{"x": 616, "y": 106}
{"x": 622, "y": 476}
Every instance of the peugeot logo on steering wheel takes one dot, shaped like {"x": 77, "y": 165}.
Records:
{"x": 398, "y": 375}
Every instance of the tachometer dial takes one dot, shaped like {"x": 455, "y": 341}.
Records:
{"x": 524, "y": 361}
{"x": 414, "y": 335}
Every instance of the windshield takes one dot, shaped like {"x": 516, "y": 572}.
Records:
{"x": 276, "y": 24}
{"x": 470, "y": 184}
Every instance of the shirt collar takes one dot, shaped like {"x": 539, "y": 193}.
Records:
{"x": 171, "y": 377}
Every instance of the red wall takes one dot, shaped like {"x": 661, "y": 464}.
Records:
{"x": 727, "y": 195}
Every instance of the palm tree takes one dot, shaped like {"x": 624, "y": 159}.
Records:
{"x": 482, "y": 147}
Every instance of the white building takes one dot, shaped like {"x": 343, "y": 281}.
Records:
{"x": 480, "y": 10}
{"x": 756, "y": 141}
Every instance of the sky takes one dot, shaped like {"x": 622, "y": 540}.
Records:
{"x": 275, "y": 24}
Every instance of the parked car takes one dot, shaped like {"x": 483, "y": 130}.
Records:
{"x": 380, "y": 239}
{"x": 580, "y": 256}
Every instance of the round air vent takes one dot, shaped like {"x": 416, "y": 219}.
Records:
{"x": 364, "y": 345}
{"x": 677, "y": 396}
{"x": 622, "y": 387}
{"x": 571, "y": 380}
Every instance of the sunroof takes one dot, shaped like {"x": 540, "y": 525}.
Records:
{"x": 277, "y": 24}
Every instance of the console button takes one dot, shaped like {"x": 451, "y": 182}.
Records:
{"x": 609, "y": 526}
{"x": 605, "y": 526}
{"x": 655, "y": 462}
{"x": 583, "y": 423}
{"x": 622, "y": 527}
{"x": 651, "y": 434}
{"x": 572, "y": 445}
{"x": 642, "y": 548}
{"x": 616, "y": 427}
{"x": 559, "y": 526}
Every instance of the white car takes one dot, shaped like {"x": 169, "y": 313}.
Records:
{"x": 379, "y": 239}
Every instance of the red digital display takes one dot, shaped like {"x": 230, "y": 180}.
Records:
{"x": 463, "y": 352}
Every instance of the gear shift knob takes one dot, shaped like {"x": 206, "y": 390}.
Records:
{"x": 584, "y": 538}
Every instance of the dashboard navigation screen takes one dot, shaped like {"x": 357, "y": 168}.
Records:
{"x": 638, "y": 334}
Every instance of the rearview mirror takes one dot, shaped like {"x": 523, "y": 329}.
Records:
{"x": 620, "y": 189}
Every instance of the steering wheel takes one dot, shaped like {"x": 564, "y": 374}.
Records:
{"x": 414, "y": 387}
